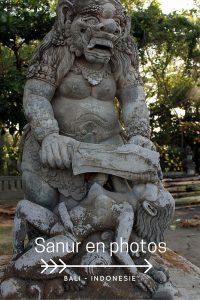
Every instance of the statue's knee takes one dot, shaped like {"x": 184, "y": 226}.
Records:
{"x": 23, "y": 208}
{"x": 104, "y": 201}
{"x": 20, "y": 206}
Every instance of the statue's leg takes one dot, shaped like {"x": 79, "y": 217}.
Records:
{"x": 35, "y": 215}
{"x": 123, "y": 232}
{"x": 61, "y": 246}
{"x": 29, "y": 264}
{"x": 125, "y": 225}
{"x": 38, "y": 191}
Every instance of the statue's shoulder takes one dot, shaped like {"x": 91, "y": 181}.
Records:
{"x": 52, "y": 60}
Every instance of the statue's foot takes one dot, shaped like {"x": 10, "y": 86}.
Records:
{"x": 158, "y": 275}
{"x": 163, "y": 269}
{"x": 145, "y": 282}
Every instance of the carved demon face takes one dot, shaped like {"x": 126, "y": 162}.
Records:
{"x": 95, "y": 29}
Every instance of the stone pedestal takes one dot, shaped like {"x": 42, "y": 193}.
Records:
{"x": 184, "y": 275}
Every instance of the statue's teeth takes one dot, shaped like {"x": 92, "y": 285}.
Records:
{"x": 91, "y": 45}
{"x": 101, "y": 42}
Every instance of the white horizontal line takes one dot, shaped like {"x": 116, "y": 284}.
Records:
{"x": 100, "y": 266}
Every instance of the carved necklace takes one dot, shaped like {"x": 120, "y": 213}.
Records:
{"x": 94, "y": 77}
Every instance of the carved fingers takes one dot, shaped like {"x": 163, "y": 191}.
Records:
{"x": 47, "y": 156}
{"x": 55, "y": 147}
{"x": 65, "y": 156}
{"x": 51, "y": 159}
{"x": 55, "y": 151}
{"x": 143, "y": 142}
{"x": 146, "y": 143}
{"x": 145, "y": 282}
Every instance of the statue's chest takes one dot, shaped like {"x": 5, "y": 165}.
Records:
{"x": 75, "y": 86}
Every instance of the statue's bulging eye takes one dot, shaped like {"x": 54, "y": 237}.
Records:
{"x": 91, "y": 21}
{"x": 118, "y": 22}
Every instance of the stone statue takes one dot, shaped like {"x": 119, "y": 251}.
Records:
{"x": 85, "y": 174}
{"x": 190, "y": 165}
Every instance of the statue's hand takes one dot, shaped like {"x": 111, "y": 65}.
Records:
{"x": 143, "y": 142}
{"x": 55, "y": 151}
{"x": 146, "y": 143}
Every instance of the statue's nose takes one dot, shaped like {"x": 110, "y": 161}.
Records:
{"x": 109, "y": 26}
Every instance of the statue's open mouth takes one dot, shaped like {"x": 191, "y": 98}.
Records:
{"x": 98, "y": 44}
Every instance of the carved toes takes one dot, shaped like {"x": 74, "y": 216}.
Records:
{"x": 146, "y": 283}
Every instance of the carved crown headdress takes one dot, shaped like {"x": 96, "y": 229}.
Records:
{"x": 79, "y": 4}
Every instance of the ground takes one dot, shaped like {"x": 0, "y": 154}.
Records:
{"x": 183, "y": 236}
{"x": 6, "y": 221}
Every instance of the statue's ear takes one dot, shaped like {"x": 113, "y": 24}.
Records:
{"x": 152, "y": 211}
{"x": 65, "y": 10}
{"x": 127, "y": 29}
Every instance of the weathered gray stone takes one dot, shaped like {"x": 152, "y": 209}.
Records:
{"x": 86, "y": 178}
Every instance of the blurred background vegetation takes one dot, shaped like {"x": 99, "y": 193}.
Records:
{"x": 169, "y": 52}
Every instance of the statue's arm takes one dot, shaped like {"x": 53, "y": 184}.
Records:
{"x": 65, "y": 217}
{"x": 39, "y": 113}
{"x": 38, "y": 110}
{"x": 134, "y": 110}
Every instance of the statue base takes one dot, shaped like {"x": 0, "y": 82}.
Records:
{"x": 184, "y": 275}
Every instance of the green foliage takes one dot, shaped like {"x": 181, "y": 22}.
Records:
{"x": 11, "y": 110}
{"x": 22, "y": 22}
{"x": 9, "y": 153}
{"x": 26, "y": 20}
{"x": 6, "y": 240}
{"x": 172, "y": 158}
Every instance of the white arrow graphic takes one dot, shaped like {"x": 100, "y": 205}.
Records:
{"x": 63, "y": 266}
{"x": 54, "y": 266}
{"x": 45, "y": 266}
{"x": 148, "y": 266}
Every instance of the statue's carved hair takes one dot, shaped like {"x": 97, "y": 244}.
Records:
{"x": 123, "y": 58}
{"x": 51, "y": 61}
{"x": 152, "y": 228}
